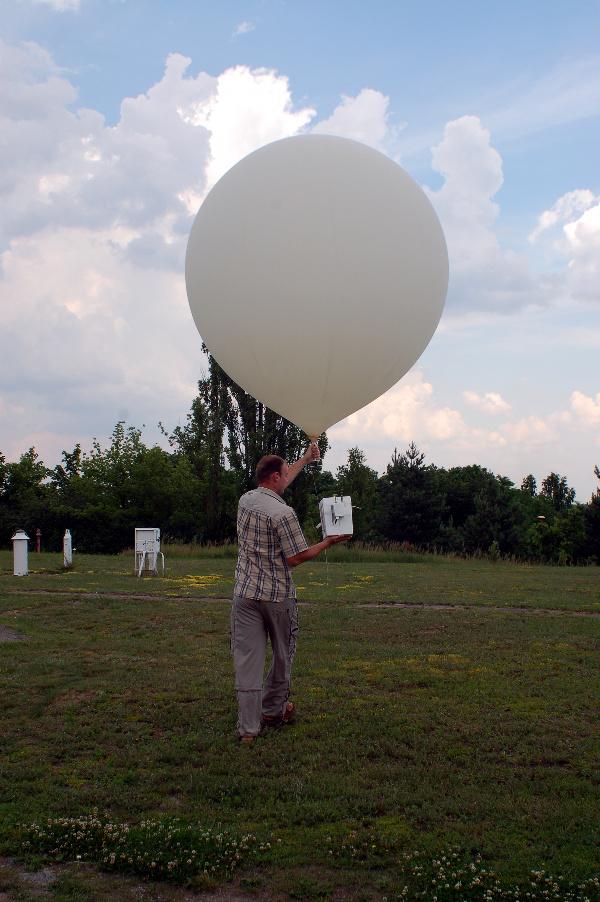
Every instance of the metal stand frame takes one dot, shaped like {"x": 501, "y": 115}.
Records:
{"x": 152, "y": 556}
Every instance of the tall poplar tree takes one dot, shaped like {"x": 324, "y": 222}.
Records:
{"x": 226, "y": 434}
{"x": 358, "y": 480}
{"x": 556, "y": 489}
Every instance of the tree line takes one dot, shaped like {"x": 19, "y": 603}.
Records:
{"x": 191, "y": 490}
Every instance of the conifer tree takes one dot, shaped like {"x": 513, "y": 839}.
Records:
{"x": 411, "y": 502}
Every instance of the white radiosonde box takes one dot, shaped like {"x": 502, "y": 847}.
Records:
{"x": 336, "y": 516}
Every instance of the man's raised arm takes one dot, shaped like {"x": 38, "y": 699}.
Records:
{"x": 311, "y": 455}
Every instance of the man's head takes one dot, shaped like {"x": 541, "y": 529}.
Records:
{"x": 272, "y": 472}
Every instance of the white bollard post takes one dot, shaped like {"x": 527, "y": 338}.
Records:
{"x": 67, "y": 549}
{"x": 20, "y": 540}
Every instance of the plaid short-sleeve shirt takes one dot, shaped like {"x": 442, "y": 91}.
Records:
{"x": 268, "y": 533}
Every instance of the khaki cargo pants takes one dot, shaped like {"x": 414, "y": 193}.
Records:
{"x": 252, "y": 622}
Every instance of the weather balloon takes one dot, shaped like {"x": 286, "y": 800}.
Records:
{"x": 316, "y": 272}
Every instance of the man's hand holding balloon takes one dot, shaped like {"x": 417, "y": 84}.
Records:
{"x": 312, "y": 454}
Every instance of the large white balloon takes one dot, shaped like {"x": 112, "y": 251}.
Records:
{"x": 316, "y": 273}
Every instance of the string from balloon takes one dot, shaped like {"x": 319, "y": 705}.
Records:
{"x": 313, "y": 469}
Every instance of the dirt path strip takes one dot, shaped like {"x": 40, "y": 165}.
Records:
{"x": 498, "y": 609}
{"x": 9, "y": 635}
{"x": 371, "y": 605}
{"x": 118, "y": 596}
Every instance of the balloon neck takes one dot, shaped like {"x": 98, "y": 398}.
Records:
{"x": 313, "y": 438}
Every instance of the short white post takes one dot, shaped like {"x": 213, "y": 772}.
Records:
{"x": 20, "y": 548}
{"x": 67, "y": 549}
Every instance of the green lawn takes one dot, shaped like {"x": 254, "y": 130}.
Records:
{"x": 420, "y": 728}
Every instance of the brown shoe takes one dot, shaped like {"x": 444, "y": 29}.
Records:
{"x": 246, "y": 740}
{"x": 278, "y": 720}
{"x": 289, "y": 713}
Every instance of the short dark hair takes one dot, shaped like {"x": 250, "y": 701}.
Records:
{"x": 267, "y": 465}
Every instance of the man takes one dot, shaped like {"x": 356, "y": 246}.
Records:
{"x": 270, "y": 544}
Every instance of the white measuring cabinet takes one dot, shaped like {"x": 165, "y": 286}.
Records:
{"x": 147, "y": 551}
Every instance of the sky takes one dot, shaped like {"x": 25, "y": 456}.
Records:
{"x": 118, "y": 116}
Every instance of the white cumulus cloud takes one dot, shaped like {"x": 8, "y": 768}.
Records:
{"x": 532, "y": 442}
{"x": 586, "y": 408}
{"x": 491, "y": 402}
{"x": 484, "y": 277}
{"x": 576, "y": 252}
{"x": 583, "y": 234}
{"x": 361, "y": 118}
{"x": 68, "y": 169}
{"x": 249, "y": 108}
{"x": 405, "y": 412}
{"x": 531, "y": 431}
{"x": 564, "y": 210}
{"x": 472, "y": 169}
{"x": 92, "y": 336}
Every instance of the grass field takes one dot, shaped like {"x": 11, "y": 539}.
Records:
{"x": 444, "y": 704}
